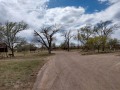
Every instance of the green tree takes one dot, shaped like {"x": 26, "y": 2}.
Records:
{"x": 85, "y": 34}
{"x": 104, "y": 30}
{"x": 113, "y": 43}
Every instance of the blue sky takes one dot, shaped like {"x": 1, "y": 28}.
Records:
{"x": 89, "y": 5}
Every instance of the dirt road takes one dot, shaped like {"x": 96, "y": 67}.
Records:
{"x": 71, "y": 71}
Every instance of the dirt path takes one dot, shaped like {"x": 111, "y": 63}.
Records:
{"x": 71, "y": 71}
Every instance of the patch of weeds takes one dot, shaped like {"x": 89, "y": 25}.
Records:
{"x": 19, "y": 75}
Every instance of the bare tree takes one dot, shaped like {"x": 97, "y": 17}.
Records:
{"x": 67, "y": 36}
{"x": 9, "y": 33}
{"x": 104, "y": 30}
{"x": 46, "y": 35}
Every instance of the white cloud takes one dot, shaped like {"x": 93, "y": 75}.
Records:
{"x": 27, "y": 10}
{"x": 110, "y": 1}
{"x": 111, "y": 13}
{"x": 67, "y": 16}
{"x": 36, "y": 14}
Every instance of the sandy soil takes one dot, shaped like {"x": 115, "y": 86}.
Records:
{"x": 71, "y": 71}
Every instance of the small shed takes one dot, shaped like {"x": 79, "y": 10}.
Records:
{"x": 3, "y": 47}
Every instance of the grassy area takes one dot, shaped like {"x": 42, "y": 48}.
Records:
{"x": 94, "y": 53}
{"x": 19, "y": 73}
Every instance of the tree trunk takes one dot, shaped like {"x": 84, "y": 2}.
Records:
{"x": 68, "y": 46}
{"x": 50, "y": 48}
{"x": 98, "y": 49}
{"x": 103, "y": 47}
{"x": 12, "y": 50}
{"x": 78, "y": 44}
{"x": 49, "y": 51}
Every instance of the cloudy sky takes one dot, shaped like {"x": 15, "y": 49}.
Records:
{"x": 70, "y": 13}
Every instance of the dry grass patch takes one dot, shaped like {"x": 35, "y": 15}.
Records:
{"x": 19, "y": 73}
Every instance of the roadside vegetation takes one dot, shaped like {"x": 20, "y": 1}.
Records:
{"x": 93, "y": 39}
{"x": 18, "y": 68}
{"x": 20, "y": 72}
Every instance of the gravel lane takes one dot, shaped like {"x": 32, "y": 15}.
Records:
{"x": 71, "y": 71}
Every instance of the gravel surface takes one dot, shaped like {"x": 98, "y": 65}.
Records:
{"x": 72, "y": 71}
